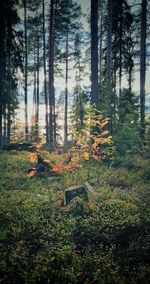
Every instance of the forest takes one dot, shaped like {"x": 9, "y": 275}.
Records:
{"x": 74, "y": 141}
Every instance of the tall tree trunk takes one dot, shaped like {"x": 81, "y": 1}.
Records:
{"x": 143, "y": 66}
{"x": 45, "y": 80}
{"x": 1, "y": 114}
{"x": 120, "y": 50}
{"x": 34, "y": 98}
{"x": 5, "y": 125}
{"x": 109, "y": 61}
{"x": 51, "y": 75}
{"x": 34, "y": 90}
{"x": 114, "y": 97}
{"x": 130, "y": 78}
{"x": 2, "y": 66}
{"x": 26, "y": 72}
{"x": 66, "y": 95}
{"x": 109, "y": 46}
{"x": 37, "y": 91}
{"x": 1, "y": 105}
{"x": 101, "y": 49}
{"x": 94, "y": 53}
{"x": 78, "y": 80}
{"x": 8, "y": 125}
{"x": 114, "y": 81}
{"x": 54, "y": 118}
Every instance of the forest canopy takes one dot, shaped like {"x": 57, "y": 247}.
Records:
{"x": 56, "y": 58}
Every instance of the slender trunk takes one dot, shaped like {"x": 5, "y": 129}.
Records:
{"x": 2, "y": 64}
{"x": 94, "y": 53}
{"x": 131, "y": 65}
{"x": 34, "y": 91}
{"x": 1, "y": 112}
{"x": 54, "y": 118}
{"x": 54, "y": 107}
{"x": 109, "y": 61}
{"x": 109, "y": 47}
{"x": 26, "y": 72}
{"x": 14, "y": 128}
{"x": 120, "y": 50}
{"x": 101, "y": 49}
{"x": 1, "y": 137}
{"x": 37, "y": 94}
{"x": 114, "y": 97}
{"x": 114, "y": 81}
{"x": 34, "y": 98}
{"x": 66, "y": 95}
{"x": 8, "y": 125}
{"x": 45, "y": 80}
{"x": 79, "y": 91}
{"x": 5, "y": 126}
{"x": 130, "y": 79}
{"x": 51, "y": 74}
{"x": 143, "y": 65}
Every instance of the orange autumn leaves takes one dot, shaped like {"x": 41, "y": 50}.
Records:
{"x": 32, "y": 157}
{"x": 32, "y": 173}
{"x": 69, "y": 167}
{"x": 58, "y": 167}
{"x": 101, "y": 140}
{"x": 92, "y": 142}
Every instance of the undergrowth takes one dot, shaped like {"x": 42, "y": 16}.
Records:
{"x": 104, "y": 240}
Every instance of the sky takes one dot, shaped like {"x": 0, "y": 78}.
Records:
{"x": 85, "y": 4}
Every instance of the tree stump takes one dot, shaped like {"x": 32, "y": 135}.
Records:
{"x": 75, "y": 191}
{"x": 72, "y": 192}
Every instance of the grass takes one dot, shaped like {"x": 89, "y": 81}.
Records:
{"x": 105, "y": 240}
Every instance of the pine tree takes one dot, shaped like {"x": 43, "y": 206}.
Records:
{"x": 10, "y": 61}
{"x": 94, "y": 53}
{"x": 35, "y": 42}
{"x": 126, "y": 135}
{"x": 69, "y": 13}
{"x": 109, "y": 61}
{"x": 122, "y": 41}
{"x": 51, "y": 72}
{"x": 143, "y": 65}
{"x": 45, "y": 77}
{"x": 26, "y": 71}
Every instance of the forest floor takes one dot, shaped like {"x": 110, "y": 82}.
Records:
{"x": 103, "y": 240}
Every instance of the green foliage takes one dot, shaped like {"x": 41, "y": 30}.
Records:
{"x": 104, "y": 240}
{"x": 79, "y": 110}
{"x": 126, "y": 133}
{"x": 92, "y": 137}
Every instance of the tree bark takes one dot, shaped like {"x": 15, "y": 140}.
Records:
{"x": 26, "y": 72}
{"x": 94, "y": 53}
{"x": 66, "y": 95}
{"x": 2, "y": 56}
{"x": 114, "y": 82}
{"x": 37, "y": 90}
{"x": 51, "y": 75}
{"x": 45, "y": 80}
{"x": 101, "y": 49}
{"x": 8, "y": 126}
{"x": 109, "y": 61}
{"x": 143, "y": 66}
{"x": 120, "y": 50}
{"x": 109, "y": 46}
{"x": 34, "y": 90}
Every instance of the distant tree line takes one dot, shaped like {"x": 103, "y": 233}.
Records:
{"x": 44, "y": 40}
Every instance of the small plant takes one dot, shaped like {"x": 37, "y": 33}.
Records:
{"x": 94, "y": 140}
